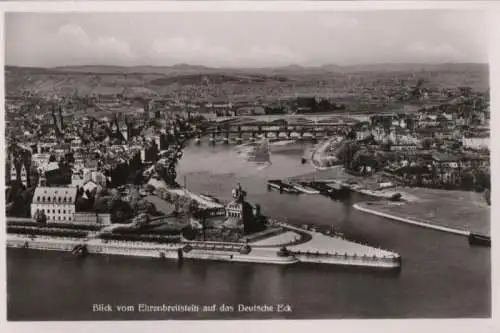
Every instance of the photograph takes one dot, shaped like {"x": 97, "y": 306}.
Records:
{"x": 247, "y": 165}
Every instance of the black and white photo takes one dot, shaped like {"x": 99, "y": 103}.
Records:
{"x": 247, "y": 165}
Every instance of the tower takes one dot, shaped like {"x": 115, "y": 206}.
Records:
{"x": 61, "y": 121}
{"x": 42, "y": 180}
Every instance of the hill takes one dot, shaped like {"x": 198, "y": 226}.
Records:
{"x": 192, "y": 81}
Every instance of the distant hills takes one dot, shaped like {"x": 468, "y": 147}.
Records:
{"x": 181, "y": 69}
{"x": 220, "y": 83}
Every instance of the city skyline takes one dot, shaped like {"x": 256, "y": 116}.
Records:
{"x": 246, "y": 39}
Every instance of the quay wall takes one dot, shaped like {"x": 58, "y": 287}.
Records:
{"x": 42, "y": 243}
{"x": 349, "y": 260}
{"x": 223, "y": 252}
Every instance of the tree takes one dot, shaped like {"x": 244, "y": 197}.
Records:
{"x": 346, "y": 152}
{"x": 427, "y": 143}
{"x": 487, "y": 196}
{"x": 466, "y": 179}
{"x": 482, "y": 179}
{"x": 365, "y": 160}
{"x": 410, "y": 123}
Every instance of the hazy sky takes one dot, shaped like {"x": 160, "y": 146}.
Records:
{"x": 250, "y": 39}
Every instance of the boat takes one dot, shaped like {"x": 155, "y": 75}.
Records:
{"x": 271, "y": 184}
{"x": 290, "y": 189}
{"x": 478, "y": 239}
{"x": 305, "y": 189}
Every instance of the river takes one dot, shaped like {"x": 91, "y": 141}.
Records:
{"x": 441, "y": 277}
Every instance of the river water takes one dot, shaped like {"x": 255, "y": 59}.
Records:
{"x": 441, "y": 277}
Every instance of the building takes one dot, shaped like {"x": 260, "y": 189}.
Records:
{"x": 57, "y": 203}
{"x": 95, "y": 176}
{"x": 76, "y": 179}
{"x": 476, "y": 141}
{"x": 23, "y": 174}
{"x": 40, "y": 160}
{"x": 90, "y": 186}
{"x": 446, "y": 167}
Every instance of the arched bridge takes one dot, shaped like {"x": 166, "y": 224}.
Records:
{"x": 268, "y": 130}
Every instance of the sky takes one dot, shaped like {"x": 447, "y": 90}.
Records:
{"x": 245, "y": 39}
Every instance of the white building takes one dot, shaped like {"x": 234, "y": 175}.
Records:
{"x": 58, "y": 203}
{"x": 76, "y": 180}
{"x": 476, "y": 142}
{"x": 76, "y": 143}
{"x": 40, "y": 160}
{"x": 95, "y": 176}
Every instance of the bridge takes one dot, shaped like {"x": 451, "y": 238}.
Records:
{"x": 355, "y": 116}
{"x": 278, "y": 130}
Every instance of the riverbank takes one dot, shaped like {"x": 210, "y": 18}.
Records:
{"x": 366, "y": 207}
{"x": 319, "y": 156}
{"x": 460, "y": 211}
{"x": 299, "y": 245}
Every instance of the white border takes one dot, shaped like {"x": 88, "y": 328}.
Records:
{"x": 319, "y": 326}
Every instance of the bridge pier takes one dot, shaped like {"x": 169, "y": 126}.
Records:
{"x": 212, "y": 138}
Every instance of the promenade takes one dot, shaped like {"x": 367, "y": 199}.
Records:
{"x": 334, "y": 245}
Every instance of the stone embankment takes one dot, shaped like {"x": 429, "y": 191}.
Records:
{"x": 364, "y": 207}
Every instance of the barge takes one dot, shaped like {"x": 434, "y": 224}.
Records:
{"x": 282, "y": 187}
{"x": 478, "y": 239}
